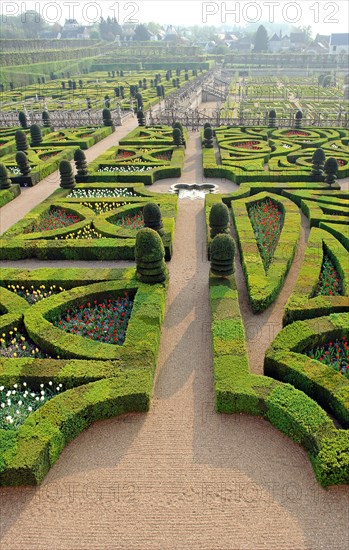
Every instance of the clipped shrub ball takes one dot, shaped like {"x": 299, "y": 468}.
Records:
{"x": 36, "y": 135}
{"x": 5, "y": 182}
{"x": 67, "y": 180}
{"x": 80, "y": 162}
{"x": 150, "y": 254}
{"x": 207, "y": 125}
{"x": 219, "y": 219}
{"x": 152, "y": 217}
{"x": 21, "y": 141}
{"x": 208, "y": 135}
{"x": 178, "y": 124}
{"x": 23, "y": 119}
{"x": 222, "y": 253}
{"x": 22, "y": 163}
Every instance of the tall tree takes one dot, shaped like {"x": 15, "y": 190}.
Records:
{"x": 141, "y": 34}
{"x": 261, "y": 39}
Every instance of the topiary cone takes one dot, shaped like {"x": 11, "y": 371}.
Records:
{"x": 150, "y": 254}
{"x": 36, "y": 135}
{"x": 22, "y": 163}
{"x": 80, "y": 162}
{"x": 21, "y": 141}
{"x": 23, "y": 119}
{"x": 331, "y": 170}
{"x": 222, "y": 254}
{"x": 5, "y": 182}
{"x": 66, "y": 175}
{"x": 152, "y": 217}
{"x": 219, "y": 219}
{"x": 318, "y": 160}
{"x": 107, "y": 119}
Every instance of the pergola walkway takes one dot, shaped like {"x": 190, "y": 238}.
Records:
{"x": 182, "y": 477}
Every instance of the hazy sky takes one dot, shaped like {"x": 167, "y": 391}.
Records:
{"x": 324, "y": 16}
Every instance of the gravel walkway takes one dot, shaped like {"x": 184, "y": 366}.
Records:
{"x": 180, "y": 477}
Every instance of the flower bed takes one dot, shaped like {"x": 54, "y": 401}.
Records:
{"x": 17, "y": 343}
{"x": 334, "y": 354}
{"x": 55, "y": 218}
{"x": 101, "y": 193}
{"x": 131, "y": 221}
{"x": 19, "y": 401}
{"x": 267, "y": 222}
{"x": 330, "y": 283}
{"x": 91, "y": 378}
{"x": 35, "y": 294}
{"x": 104, "y": 321}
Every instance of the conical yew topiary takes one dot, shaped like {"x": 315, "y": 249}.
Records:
{"x": 219, "y": 219}
{"x": 80, "y": 162}
{"x": 272, "y": 118}
{"x": 331, "y": 170}
{"x": 222, "y": 254}
{"x": 152, "y": 217}
{"x": 298, "y": 119}
{"x": 5, "y": 182}
{"x": 318, "y": 160}
{"x": 46, "y": 119}
{"x": 23, "y": 119}
{"x": 107, "y": 119}
{"x": 150, "y": 253}
{"x": 22, "y": 163}
{"x": 66, "y": 175}
{"x": 21, "y": 141}
{"x": 36, "y": 135}
{"x": 177, "y": 137}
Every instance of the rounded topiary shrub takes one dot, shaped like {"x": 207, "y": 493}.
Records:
{"x": 219, "y": 219}
{"x": 107, "y": 119}
{"x": 152, "y": 217}
{"x": 22, "y": 163}
{"x": 21, "y": 141}
{"x": 5, "y": 182}
{"x": 177, "y": 124}
{"x": 36, "y": 135}
{"x": 80, "y": 162}
{"x": 150, "y": 254}
{"x": 23, "y": 119}
{"x": 207, "y": 125}
{"x": 208, "y": 137}
{"x": 222, "y": 253}
{"x": 67, "y": 180}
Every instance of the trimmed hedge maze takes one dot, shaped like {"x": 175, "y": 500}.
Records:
{"x": 146, "y": 153}
{"x": 307, "y": 365}
{"x": 270, "y": 155}
{"x": 98, "y": 380}
{"x": 69, "y": 222}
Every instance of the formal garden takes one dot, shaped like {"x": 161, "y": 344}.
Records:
{"x": 82, "y": 344}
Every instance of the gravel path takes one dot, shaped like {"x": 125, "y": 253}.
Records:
{"x": 180, "y": 477}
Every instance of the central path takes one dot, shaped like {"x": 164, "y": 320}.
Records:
{"x": 180, "y": 477}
